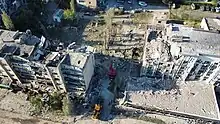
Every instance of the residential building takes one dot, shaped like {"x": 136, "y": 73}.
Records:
{"x": 181, "y": 68}
{"x": 194, "y": 55}
{"x": 77, "y": 70}
{"x": 19, "y": 50}
{"x": 197, "y": 68}
{"x": 7, "y": 75}
{"x": 198, "y": 53}
{"x": 26, "y": 62}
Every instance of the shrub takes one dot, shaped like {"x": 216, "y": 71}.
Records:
{"x": 69, "y": 14}
{"x": 7, "y": 21}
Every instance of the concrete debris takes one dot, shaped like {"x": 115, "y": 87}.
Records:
{"x": 149, "y": 84}
{"x": 32, "y": 64}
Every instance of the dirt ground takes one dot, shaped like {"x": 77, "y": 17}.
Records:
{"x": 16, "y": 118}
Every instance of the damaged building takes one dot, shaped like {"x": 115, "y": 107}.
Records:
{"x": 27, "y": 63}
{"x": 190, "y": 59}
{"x": 77, "y": 70}
{"x": 196, "y": 53}
{"x": 192, "y": 55}
{"x": 71, "y": 71}
{"x": 17, "y": 48}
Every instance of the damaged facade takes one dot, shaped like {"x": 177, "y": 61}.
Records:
{"x": 191, "y": 55}
{"x": 188, "y": 57}
{"x": 27, "y": 63}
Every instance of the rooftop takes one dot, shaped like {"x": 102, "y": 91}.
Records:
{"x": 194, "y": 41}
{"x": 17, "y": 42}
{"x": 76, "y": 59}
{"x": 8, "y": 36}
{"x": 21, "y": 49}
{"x": 195, "y": 98}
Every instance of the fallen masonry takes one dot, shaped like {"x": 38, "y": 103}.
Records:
{"x": 31, "y": 64}
{"x": 187, "y": 57}
{"x": 192, "y": 98}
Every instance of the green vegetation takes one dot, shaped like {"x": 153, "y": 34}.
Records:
{"x": 55, "y": 102}
{"x": 143, "y": 17}
{"x": 66, "y": 107}
{"x": 190, "y": 17}
{"x": 7, "y": 21}
{"x": 29, "y": 17}
{"x": 72, "y": 5}
{"x": 37, "y": 104}
{"x": 69, "y": 15}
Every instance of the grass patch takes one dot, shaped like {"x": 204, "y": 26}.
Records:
{"x": 56, "y": 103}
{"x": 191, "y": 18}
{"x": 143, "y": 17}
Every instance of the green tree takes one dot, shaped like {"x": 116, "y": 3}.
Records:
{"x": 66, "y": 106}
{"x": 7, "y": 21}
{"x": 36, "y": 103}
{"x": 214, "y": 2}
{"x": 72, "y": 5}
{"x": 69, "y": 15}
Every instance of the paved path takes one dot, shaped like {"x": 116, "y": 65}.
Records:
{"x": 134, "y": 5}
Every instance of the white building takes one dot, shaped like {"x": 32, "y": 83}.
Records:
{"x": 77, "y": 69}
{"x": 198, "y": 53}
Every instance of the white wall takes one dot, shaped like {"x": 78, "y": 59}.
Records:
{"x": 204, "y": 25}
{"x": 89, "y": 70}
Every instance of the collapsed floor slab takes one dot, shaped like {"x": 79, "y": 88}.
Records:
{"x": 193, "y": 98}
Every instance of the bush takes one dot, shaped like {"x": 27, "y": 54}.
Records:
{"x": 69, "y": 14}
{"x": 7, "y": 21}
{"x": 66, "y": 106}
{"x": 185, "y": 16}
{"x": 36, "y": 103}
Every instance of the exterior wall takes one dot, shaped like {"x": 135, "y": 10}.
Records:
{"x": 8, "y": 72}
{"x": 203, "y": 68}
{"x": 204, "y": 24}
{"x": 73, "y": 78}
{"x": 76, "y": 80}
{"x": 89, "y": 70}
{"x": 32, "y": 74}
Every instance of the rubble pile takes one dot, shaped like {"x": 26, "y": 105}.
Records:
{"x": 147, "y": 84}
